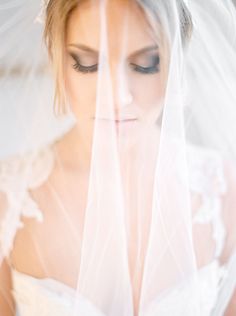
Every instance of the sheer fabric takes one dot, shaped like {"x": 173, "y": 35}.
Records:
{"x": 125, "y": 205}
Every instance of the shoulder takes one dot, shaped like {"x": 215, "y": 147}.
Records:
{"x": 19, "y": 174}
{"x": 207, "y": 174}
{"x": 28, "y": 169}
{"x": 229, "y": 210}
{"x": 7, "y": 305}
{"x": 213, "y": 177}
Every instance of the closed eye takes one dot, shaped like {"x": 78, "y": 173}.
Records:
{"x": 151, "y": 66}
{"x": 89, "y": 65}
{"x": 145, "y": 63}
{"x": 85, "y": 69}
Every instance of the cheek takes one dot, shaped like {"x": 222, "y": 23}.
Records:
{"x": 148, "y": 90}
{"x": 81, "y": 92}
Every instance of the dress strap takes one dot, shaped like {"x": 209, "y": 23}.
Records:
{"x": 18, "y": 175}
{"x": 207, "y": 179}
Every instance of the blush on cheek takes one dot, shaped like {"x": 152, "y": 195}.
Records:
{"x": 149, "y": 92}
{"x": 81, "y": 94}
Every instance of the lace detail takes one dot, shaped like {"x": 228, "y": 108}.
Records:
{"x": 17, "y": 176}
{"x": 207, "y": 179}
{"x": 206, "y": 172}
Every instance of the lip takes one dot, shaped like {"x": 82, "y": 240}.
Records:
{"x": 122, "y": 121}
{"x": 117, "y": 120}
{"x": 123, "y": 126}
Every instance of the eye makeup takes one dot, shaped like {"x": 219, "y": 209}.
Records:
{"x": 145, "y": 61}
{"x": 146, "y": 64}
{"x": 84, "y": 63}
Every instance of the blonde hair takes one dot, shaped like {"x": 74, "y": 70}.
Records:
{"x": 57, "y": 15}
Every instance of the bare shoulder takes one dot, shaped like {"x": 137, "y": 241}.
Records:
{"x": 229, "y": 209}
{"x": 229, "y": 217}
{"x": 19, "y": 174}
{"x": 7, "y": 307}
{"x": 214, "y": 177}
{"x": 231, "y": 310}
{"x": 206, "y": 171}
{"x": 29, "y": 168}
{"x": 6, "y": 299}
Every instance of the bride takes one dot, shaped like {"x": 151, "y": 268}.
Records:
{"x": 132, "y": 210}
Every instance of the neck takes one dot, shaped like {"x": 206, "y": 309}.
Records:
{"x": 73, "y": 151}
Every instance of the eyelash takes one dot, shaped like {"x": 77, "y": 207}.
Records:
{"x": 85, "y": 69}
{"x": 143, "y": 70}
{"x": 148, "y": 70}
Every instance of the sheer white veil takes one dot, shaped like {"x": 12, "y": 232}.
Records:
{"x": 136, "y": 239}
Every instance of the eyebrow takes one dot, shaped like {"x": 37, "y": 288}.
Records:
{"x": 92, "y": 50}
{"x": 84, "y": 48}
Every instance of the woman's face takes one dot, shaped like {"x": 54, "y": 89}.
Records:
{"x": 127, "y": 87}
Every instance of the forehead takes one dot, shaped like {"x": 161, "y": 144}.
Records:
{"x": 119, "y": 23}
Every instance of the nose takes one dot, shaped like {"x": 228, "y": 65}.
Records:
{"x": 122, "y": 93}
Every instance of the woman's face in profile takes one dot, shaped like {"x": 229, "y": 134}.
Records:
{"x": 131, "y": 72}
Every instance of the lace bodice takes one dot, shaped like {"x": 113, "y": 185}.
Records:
{"x": 206, "y": 180}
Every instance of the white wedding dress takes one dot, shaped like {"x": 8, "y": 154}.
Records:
{"x": 41, "y": 297}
